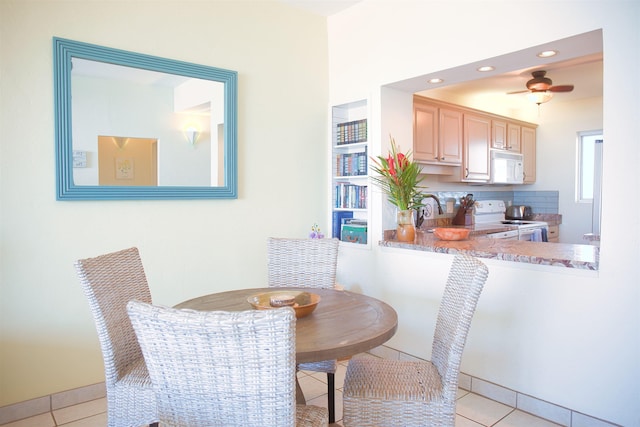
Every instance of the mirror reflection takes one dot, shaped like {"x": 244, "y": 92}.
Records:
{"x": 131, "y": 125}
{"x": 160, "y": 123}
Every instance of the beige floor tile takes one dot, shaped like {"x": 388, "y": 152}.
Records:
{"x": 522, "y": 419}
{"x": 80, "y": 411}
{"x": 460, "y": 392}
{"x": 465, "y": 422}
{"x": 322, "y": 402}
{"x": 99, "y": 420}
{"x": 312, "y": 387}
{"x": 42, "y": 420}
{"x": 482, "y": 410}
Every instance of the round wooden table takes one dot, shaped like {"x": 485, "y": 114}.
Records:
{"x": 342, "y": 325}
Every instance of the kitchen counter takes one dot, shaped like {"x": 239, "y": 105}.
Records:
{"x": 557, "y": 254}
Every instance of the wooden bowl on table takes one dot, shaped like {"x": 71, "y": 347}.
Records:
{"x": 302, "y": 302}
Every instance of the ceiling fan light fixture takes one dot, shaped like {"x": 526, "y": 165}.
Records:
{"x": 539, "y": 97}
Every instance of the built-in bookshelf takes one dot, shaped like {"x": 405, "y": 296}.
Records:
{"x": 349, "y": 174}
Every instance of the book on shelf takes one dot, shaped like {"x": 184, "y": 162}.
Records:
{"x": 350, "y": 196}
{"x": 351, "y": 132}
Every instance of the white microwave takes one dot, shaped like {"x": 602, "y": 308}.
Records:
{"x": 506, "y": 167}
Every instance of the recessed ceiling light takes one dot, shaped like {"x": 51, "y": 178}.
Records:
{"x": 486, "y": 68}
{"x": 547, "y": 53}
{"x": 436, "y": 80}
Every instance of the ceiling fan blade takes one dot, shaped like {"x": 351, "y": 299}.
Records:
{"x": 561, "y": 88}
{"x": 518, "y": 91}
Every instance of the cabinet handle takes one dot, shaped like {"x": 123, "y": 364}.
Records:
{"x": 441, "y": 158}
{"x": 467, "y": 172}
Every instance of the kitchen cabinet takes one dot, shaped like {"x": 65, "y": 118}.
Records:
{"x": 554, "y": 234}
{"x": 476, "y": 142}
{"x": 460, "y": 138}
{"x": 437, "y": 133}
{"x": 505, "y": 135}
{"x": 528, "y": 150}
{"x": 513, "y": 137}
{"x": 499, "y": 134}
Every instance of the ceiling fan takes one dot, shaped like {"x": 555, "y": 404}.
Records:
{"x": 541, "y": 88}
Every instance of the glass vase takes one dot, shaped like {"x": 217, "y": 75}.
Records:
{"x": 406, "y": 229}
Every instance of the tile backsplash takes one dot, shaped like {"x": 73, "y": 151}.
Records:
{"x": 541, "y": 202}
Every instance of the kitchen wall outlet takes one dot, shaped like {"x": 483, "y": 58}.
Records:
{"x": 450, "y": 205}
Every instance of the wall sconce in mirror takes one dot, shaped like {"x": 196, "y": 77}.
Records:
{"x": 120, "y": 109}
{"x": 192, "y": 134}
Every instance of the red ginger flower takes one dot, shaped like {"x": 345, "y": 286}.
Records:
{"x": 399, "y": 178}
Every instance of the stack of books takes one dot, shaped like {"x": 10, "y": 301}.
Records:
{"x": 354, "y": 231}
{"x": 352, "y": 132}
{"x": 351, "y": 164}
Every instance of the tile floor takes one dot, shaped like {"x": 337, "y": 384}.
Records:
{"x": 472, "y": 410}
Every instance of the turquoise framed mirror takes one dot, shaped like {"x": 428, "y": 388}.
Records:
{"x": 135, "y": 126}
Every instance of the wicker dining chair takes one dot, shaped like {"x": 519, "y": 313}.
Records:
{"x": 219, "y": 368}
{"x": 386, "y": 393}
{"x": 306, "y": 263}
{"x": 110, "y": 281}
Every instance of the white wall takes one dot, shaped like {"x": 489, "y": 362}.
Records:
{"x": 567, "y": 337}
{"x": 48, "y": 341}
{"x": 557, "y": 168}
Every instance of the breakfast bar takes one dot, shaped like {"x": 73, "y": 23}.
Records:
{"x": 584, "y": 257}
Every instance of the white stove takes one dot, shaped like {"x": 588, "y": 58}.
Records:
{"x": 489, "y": 214}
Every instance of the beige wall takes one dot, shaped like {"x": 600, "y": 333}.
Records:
{"x": 567, "y": 337}
{"x": 48, "y": 341}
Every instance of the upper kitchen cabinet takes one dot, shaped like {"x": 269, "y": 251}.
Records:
{"x": 462, "y": 138}
{"x": 476, "y": 143}
{"x": 528, "y": 150}
{"x": 437, "y": 133}
{"x": 505, "y": 135}
{"x": 513, "y": 137}
{"x": 499, "y": 134}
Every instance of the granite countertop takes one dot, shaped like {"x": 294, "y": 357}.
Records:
{"x": 557, "y": 254}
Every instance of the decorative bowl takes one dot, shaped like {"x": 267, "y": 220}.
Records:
{"x": 451, "y": 233}
{"x": 303, "y": 302}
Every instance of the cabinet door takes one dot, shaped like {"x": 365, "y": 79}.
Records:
{"x": 425, "y": 132}
{"x": 513, "y": 137}
{"x": 450, "y": 142}
{"x": 477, "y": 137}
{"x": 528, "y": 149}
{"x": 499, "y": 134}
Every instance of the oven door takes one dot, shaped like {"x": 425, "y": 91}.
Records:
{"x": 503, "y": 235}
{"x": 535, "y": 234}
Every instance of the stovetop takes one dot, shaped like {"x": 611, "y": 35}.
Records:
{"x": 519, "y": 221}
{"x": 492, "y": 212}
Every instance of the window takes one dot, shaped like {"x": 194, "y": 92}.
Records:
{"x": 589, "y": 153}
